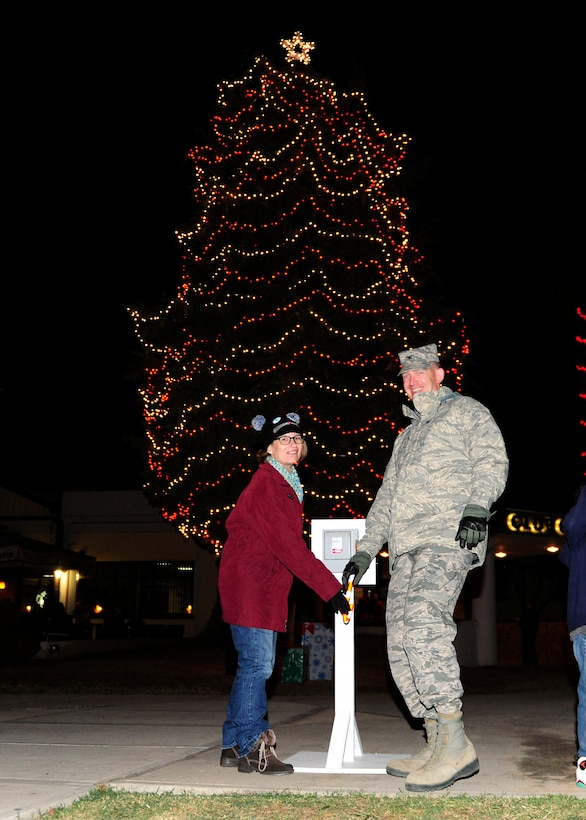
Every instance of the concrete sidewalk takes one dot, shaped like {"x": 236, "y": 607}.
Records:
{"x": 55, "y": 749}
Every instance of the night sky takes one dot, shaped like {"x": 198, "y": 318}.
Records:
{"x": 101, "y": 111}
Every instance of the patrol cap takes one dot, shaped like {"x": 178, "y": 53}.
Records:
{"x": 420, "y": 358}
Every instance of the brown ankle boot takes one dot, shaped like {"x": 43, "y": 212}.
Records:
{"x": 229, "y": 757}
{"x": 262, "y": 758}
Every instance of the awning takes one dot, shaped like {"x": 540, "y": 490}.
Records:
{"x": 36, "y": 555}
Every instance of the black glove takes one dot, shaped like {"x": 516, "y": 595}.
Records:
{"x": 356, "y": 567}
{"x": 340, "y": 603}
{"x": 472, "y": 527}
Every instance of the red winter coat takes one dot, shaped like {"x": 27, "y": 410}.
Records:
{"x": 264, "y": 551}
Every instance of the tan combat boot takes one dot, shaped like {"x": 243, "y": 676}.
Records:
{"x": 401, "y": 767}
{"x": 453, "y": 758}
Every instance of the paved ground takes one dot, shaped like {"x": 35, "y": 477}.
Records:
{"x": 149, "y": 719}
{"x": 54, "y": 748}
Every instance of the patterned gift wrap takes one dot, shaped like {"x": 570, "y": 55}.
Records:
{"x": 319, "y": 640}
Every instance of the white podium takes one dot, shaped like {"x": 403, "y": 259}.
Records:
{"x": 345, "y": 754}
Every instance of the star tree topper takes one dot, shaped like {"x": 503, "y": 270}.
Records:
{"x": 297, "y": 49}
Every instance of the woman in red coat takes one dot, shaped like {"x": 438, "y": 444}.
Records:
{"x": 263, "y": 552}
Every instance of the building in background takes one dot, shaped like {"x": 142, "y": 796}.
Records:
{"x": 109, "y": 565}
{"x": 107, "y": 561}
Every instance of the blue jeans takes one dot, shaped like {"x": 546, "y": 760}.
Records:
{"x": 246, "y": 715}
{"x": 579, "y": 647}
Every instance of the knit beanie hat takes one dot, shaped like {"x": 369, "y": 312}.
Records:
{"x": 274, "y": 427}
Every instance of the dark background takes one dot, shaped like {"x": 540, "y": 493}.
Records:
{"x": 102, "y": 106}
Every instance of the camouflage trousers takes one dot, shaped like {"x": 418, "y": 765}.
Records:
{"x": 423, "y": 591}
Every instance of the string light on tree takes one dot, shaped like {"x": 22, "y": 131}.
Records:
{"x": 581, "y": 380}
{"x": 299, "y": 288}
{"x": 297, "y": 50}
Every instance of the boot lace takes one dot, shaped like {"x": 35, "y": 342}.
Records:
{"x": 264, "y": 751}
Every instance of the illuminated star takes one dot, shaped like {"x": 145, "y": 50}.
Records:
{"x": 297, "y": 49}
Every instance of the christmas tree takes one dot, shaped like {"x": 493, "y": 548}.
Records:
{"x": 298, "y": 290}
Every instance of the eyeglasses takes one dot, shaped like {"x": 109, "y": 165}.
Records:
{"x": 285, "y": 440}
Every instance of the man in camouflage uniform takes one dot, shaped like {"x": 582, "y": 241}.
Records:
{"x": 447, "y": 468}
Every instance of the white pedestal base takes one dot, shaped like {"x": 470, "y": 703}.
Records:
{"x": 345, "y": 753}
{"x": 316, "y": 763}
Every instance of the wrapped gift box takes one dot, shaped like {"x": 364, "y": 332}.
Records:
{"x": 319, "y": 640}
{"x": 294, "y": 665}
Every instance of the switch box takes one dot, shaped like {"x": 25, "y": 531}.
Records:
{"x": 333, "y": 541}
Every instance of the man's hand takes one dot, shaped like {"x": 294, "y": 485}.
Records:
{"x": 356, "y": 567}
{"x": 472, "y": 527}
{"x": 340, "y": 603}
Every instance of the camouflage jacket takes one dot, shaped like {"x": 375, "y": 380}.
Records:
{"x": 451, "y": 454}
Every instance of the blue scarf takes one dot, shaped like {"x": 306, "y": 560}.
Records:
{"x": 291, "y": 477}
